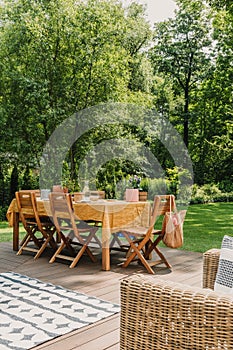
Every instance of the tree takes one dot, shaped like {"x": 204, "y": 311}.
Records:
{"x": 211, "y": 148}
{"x": 136, "y": 41}
{"x": 221, "y": 4}
{"x": 180, "y": 52}
{"x": 61, "y": 56}
{"x": 14, "y": 184}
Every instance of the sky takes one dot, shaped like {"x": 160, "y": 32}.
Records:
{"x": 158, "y": 10}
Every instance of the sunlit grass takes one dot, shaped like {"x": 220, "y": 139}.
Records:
{"x": 204, "y": 226}
{"x": 6, "y": 232}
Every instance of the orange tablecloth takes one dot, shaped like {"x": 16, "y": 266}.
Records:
{"x": 113, "y": 214}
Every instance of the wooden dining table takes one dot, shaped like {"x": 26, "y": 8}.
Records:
{"x": 114, "y": 215}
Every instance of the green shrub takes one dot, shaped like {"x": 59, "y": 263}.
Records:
{"x": 209, "y": 193}
{"x": 226, "y": 186}
{"x": 156, "y": 186}
{"x": 223, "y": 197}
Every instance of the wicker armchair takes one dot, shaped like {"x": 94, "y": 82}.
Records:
{"x": 156, "y": 314}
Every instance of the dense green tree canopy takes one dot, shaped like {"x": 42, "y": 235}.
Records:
{"x": 62, "y": 56}
{"x": 180, "y": 52}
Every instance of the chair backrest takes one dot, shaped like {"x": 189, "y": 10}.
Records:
{"x": 161, "y": 205}
{"x": 57, "y": 188}
{"x": 26, "y": 203}
{"x": 78, "y": 196}
{"x": 37, "y": 192}
{"x": 100, "y": 194}
{"x": 62, "y": 212}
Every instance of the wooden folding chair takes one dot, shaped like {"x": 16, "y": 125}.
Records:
{"x": 143, "y": 240}
{"x": 70, "y": 232}
{"x": 94, "y": 195}
{"x": 37, "y": 192}
{"x": 39, "y": 229}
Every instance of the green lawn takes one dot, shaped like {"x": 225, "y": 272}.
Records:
{"x": 204, "y": 227}
{"x": 6, "y": 232}
{"x": 206, "y": 224}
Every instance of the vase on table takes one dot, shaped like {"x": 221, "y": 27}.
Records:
{"x": 44, "y": 194}
{"x": 86, "y": 191}
{"x": 131, "y": 195}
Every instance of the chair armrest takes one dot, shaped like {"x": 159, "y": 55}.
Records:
{"x": 210, "y": 267}
{"x": 157, "y": 314}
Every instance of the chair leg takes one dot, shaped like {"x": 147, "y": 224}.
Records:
{"x": 141, "y": 257}
{"x": 29, "y": 237}
{"x": 58, "y": 251}
{"x": 93, "y": 258}
{"x": 24, "y": 239}
{"x": 78, "y": 256}
{"x": 115, "y": 239}
{"x": 42, "y": 248}
{"x": 80, "y": 253}
{"x": 97, "y": 241}
{"x": 136, "y": 250}
{"x": 52, "y": 241}
{"x": 162, "y": 257}
{"x": 67, "y": 242}
{"x": 88, "y": 240}
{"x": 25, "y": 242}
{"x": 154, "y": 246}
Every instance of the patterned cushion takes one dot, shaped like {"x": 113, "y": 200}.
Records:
{"x": 224, "y": 278}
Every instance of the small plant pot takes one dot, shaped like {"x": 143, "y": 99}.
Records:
{"x": 143, "y": 196}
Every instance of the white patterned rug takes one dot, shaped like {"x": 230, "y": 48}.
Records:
{"x": 33, "y": 312}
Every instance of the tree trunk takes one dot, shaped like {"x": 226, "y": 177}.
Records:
{"x": 186, "y": 117}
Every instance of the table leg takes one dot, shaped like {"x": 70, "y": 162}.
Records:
{"x": 15, "y": 231}
{"x": 105, "y": 259}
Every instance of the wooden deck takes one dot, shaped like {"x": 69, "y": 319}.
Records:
{"x": 88, "y": 278}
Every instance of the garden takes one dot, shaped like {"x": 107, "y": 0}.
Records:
{"x": 61, "y": 58}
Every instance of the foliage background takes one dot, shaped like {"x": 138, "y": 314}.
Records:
{"x": 59, "y": 57}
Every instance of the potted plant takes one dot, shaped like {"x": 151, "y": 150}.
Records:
{"x": 143, "y": 189}
{"x": 132, "y": 192}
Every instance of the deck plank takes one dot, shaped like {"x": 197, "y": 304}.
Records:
{"x": 89, "y": 278}
{"x": 84, "y": 337}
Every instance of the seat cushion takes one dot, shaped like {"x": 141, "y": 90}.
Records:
{"x": 224, "y": 277}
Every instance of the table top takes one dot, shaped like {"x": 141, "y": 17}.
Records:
{"x": 119, "y": 212}
{"x": 114, "y": 215}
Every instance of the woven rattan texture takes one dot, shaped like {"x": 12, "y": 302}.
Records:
{"x": 210, "y": 267}
{"x": 162, "y": 315}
